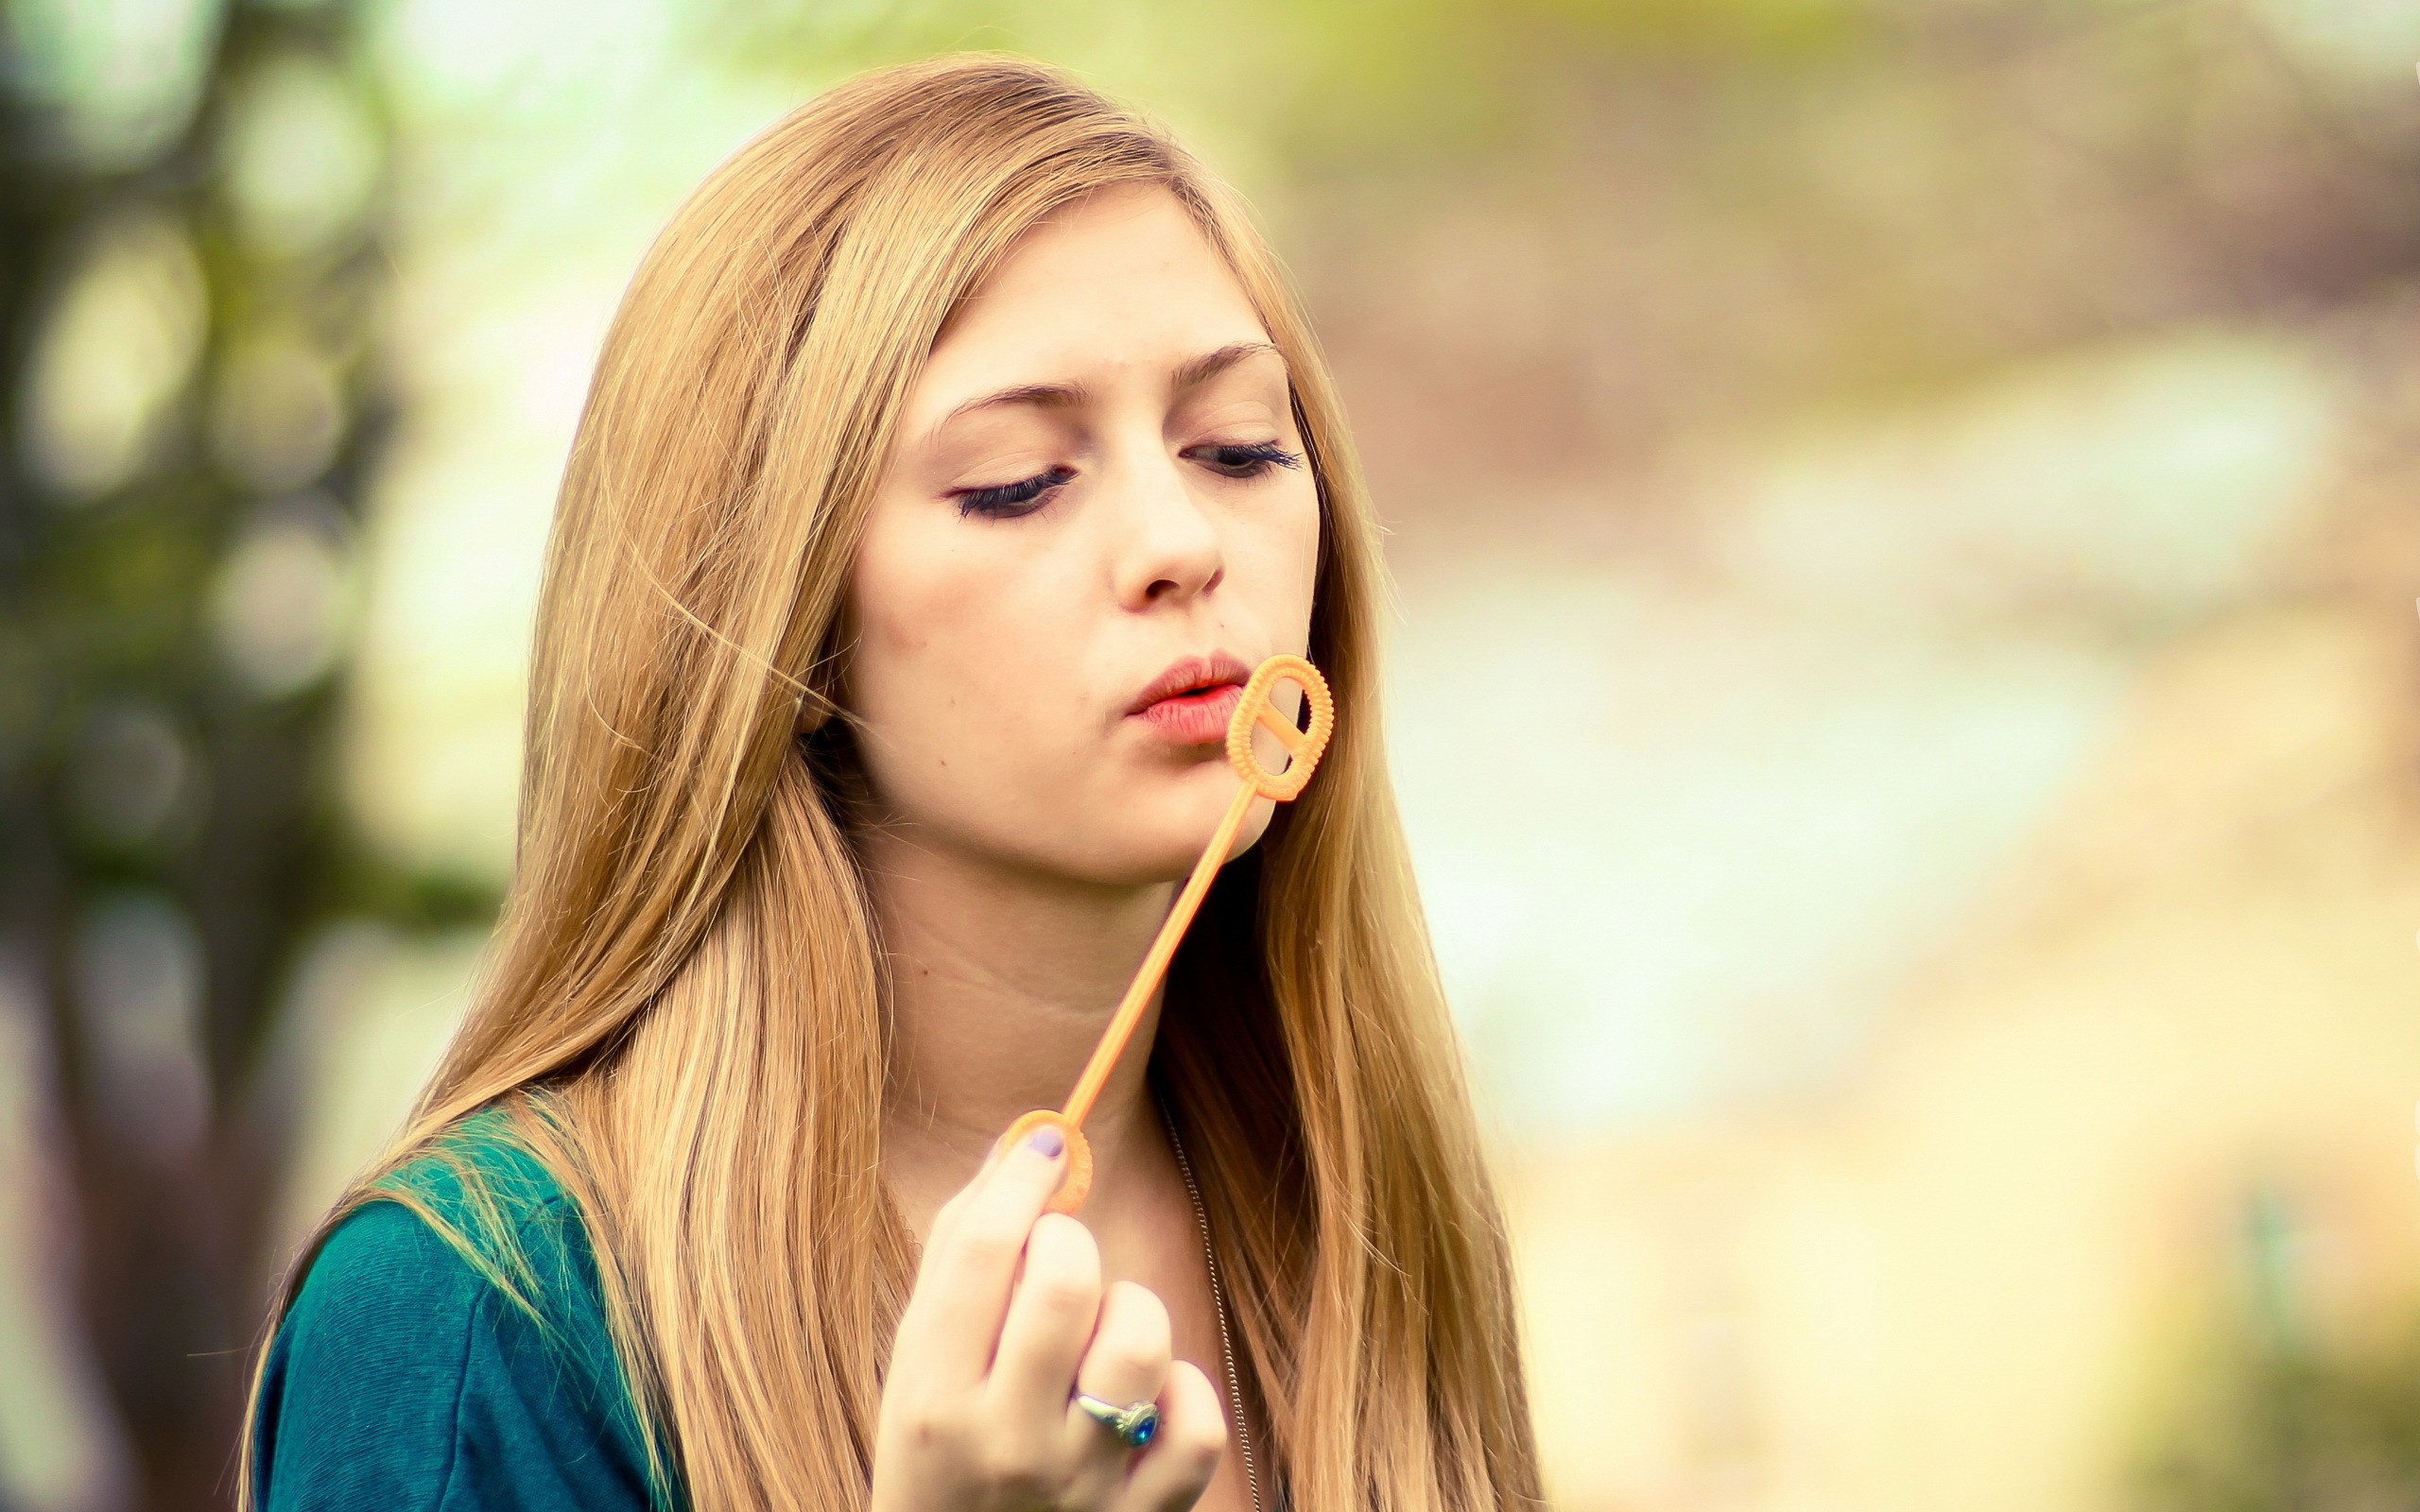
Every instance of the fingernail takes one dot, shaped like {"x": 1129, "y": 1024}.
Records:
{"x": 1048, "y": 1140}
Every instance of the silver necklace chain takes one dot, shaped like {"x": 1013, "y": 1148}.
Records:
{"x": 1218, "y": 1305}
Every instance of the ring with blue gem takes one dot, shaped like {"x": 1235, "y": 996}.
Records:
{"x": 1133, "y": 1425}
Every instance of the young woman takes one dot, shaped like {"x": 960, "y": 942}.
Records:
{"x": 957, "y": 450}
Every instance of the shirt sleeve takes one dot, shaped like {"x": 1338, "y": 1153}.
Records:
{"x": 402, "y": 1380}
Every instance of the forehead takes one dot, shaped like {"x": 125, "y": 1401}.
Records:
{"x": 1121, "y": 284}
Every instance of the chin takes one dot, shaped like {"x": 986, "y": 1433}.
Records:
{"x": 1165, "y": 846}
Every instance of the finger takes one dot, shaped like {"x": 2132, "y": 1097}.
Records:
{"x": 953, "y": 1317}
{"x": 1053, "y": 1315}
{"x": 1171, "y": 1472}
{"x": 1125, "y": 1365}
{"x": 1128, "y": 1360}
{"x": 956, "y": 1204}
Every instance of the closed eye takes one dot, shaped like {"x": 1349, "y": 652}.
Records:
{"x": 1007, "y": 501}
{"x": 1249, "y": 459}
{"x": 1010, "y": 500}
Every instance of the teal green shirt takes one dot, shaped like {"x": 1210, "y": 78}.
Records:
{"x": 403, "y": 1379}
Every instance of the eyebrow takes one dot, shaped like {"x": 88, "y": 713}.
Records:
{"x": 1190, "y": 373}
{"x": 1201, "y": 369}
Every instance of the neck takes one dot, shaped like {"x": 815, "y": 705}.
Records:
{"x": 1002, "y": 980}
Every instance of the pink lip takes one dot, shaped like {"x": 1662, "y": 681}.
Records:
{"x": 1191, "y": 702}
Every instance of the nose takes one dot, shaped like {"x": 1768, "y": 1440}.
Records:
{"x": 1168, "y": 547}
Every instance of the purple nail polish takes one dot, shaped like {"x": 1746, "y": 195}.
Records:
{"x": 1048, "y": 1140}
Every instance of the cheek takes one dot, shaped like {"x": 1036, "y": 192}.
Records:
{"x": 899, "y": 599}
{"x": 1307, "y": 529}
{"x": 941, "y": 666}
{"x": 911, "y": 609}
{"x": 1284, "y": 546}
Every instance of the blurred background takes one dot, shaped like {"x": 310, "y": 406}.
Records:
{"x": 1919, "y": 494}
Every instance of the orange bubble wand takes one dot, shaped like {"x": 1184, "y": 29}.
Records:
{"x": 1303, "y": 749}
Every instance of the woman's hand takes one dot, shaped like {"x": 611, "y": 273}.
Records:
{"x": 979, "y": 1411}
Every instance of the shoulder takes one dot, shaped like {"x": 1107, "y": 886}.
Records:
{"x": 384, "y": 1281}
{"x": 447, "y": 1349}
{"x": 479, "y": 1180}
{"x": 473, "y": 1219}
{"x": 469, "y": 1222}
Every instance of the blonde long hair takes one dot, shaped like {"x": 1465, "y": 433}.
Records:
{"x": 682, "y": 1013}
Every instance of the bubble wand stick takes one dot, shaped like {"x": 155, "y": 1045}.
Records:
{"x": 1304, "y": 747}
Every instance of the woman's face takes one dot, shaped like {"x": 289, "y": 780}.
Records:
{"x": 1096, "y": 518}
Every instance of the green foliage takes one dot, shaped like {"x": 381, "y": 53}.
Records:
{"x": 2271, "y": 1428}
{"x": 2270, "y": 1413}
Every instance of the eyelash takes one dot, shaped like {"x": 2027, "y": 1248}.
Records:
{"x": 1011, "y": 500}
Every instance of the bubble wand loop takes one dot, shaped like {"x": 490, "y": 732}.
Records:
{"x": 1304, "y": 747}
